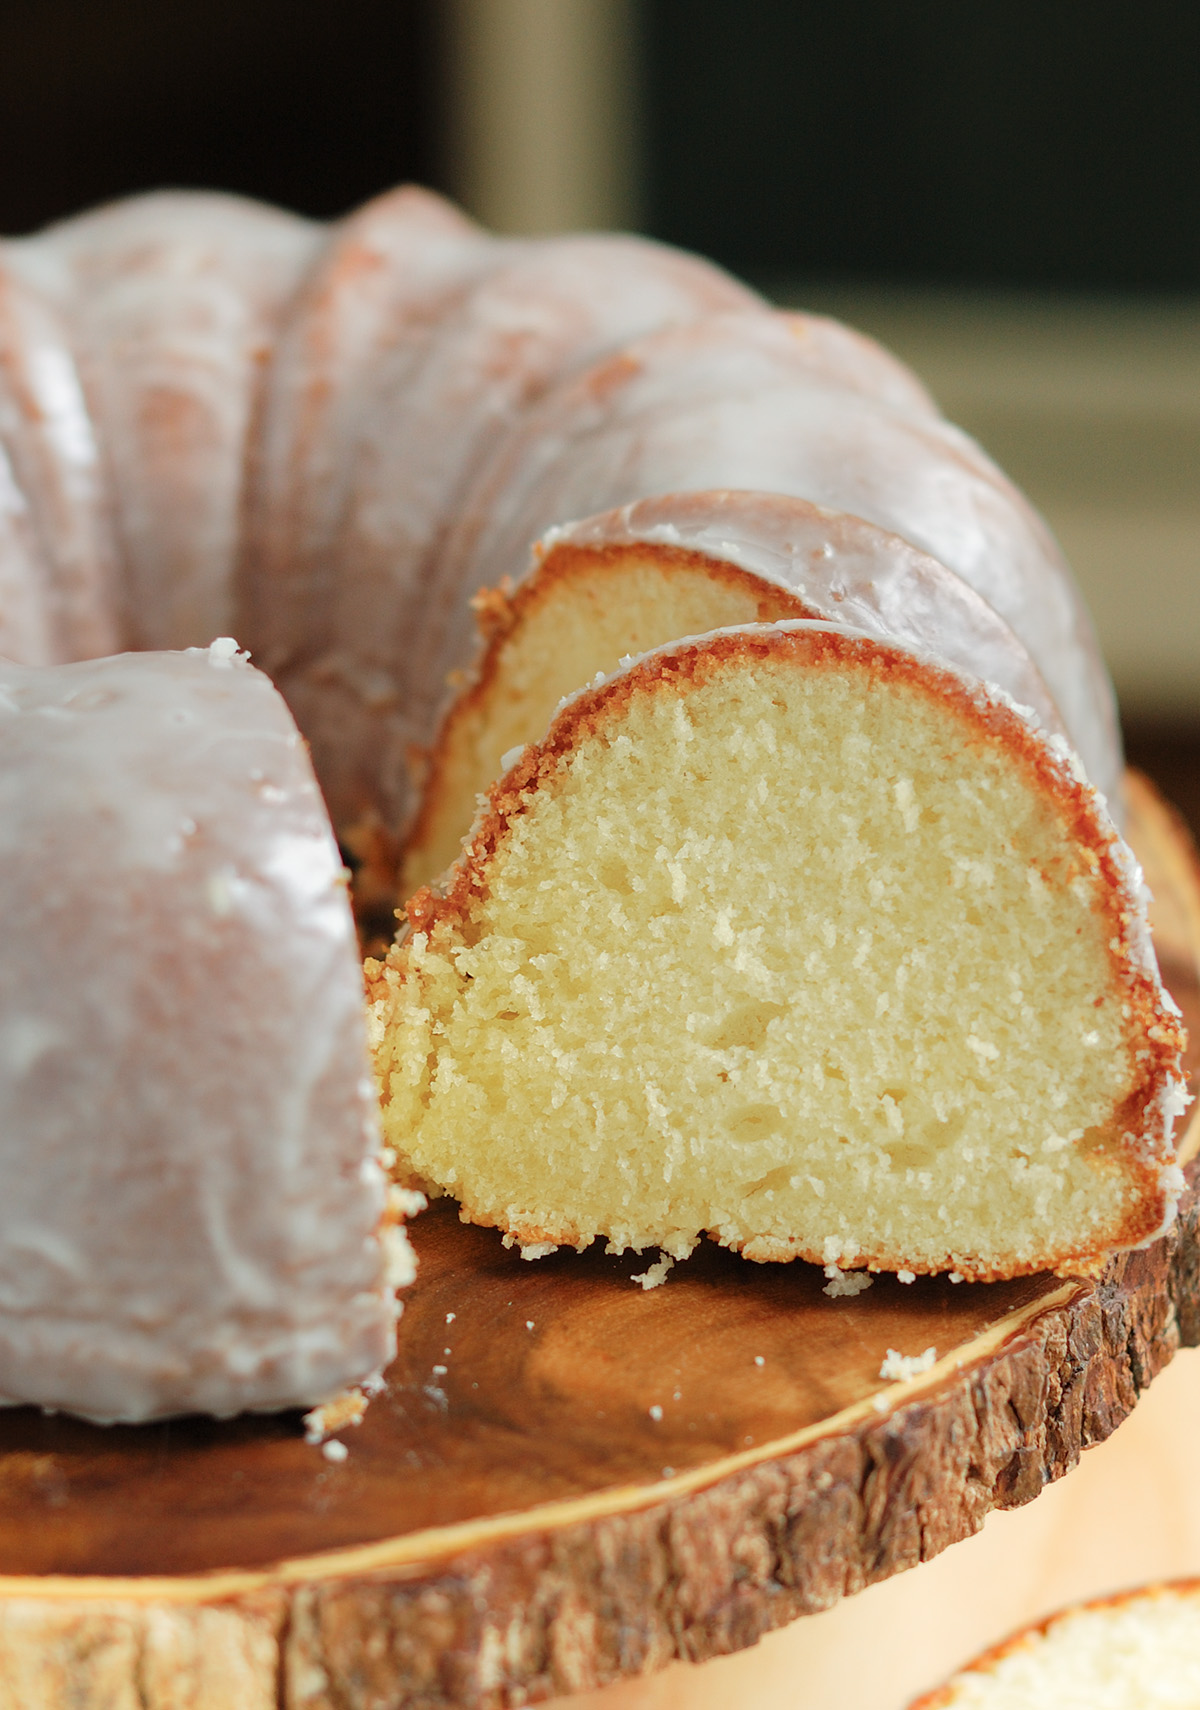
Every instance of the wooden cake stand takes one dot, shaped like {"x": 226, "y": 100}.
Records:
{"x": 570, "y": 1481}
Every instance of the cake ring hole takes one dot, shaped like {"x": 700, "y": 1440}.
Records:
{"x": 615, "y": 876}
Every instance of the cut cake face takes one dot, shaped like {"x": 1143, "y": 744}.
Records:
{"x": 801, "y": 939}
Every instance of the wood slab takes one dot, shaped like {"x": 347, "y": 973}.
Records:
{"x": 569, "y": 1481}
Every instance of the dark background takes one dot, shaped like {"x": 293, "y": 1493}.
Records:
{"x": 315, "y": 104}
{"x": 988, "y": 142}
{"x": 1027, "y": 143}
{"x": 1014, "y": 142}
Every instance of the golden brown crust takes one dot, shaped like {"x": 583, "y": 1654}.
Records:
{"x": 1159, "y": 1033}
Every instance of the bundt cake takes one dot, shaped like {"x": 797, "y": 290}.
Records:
{"x": 865, "y": 894}
{"x": 1136, "y": 1651}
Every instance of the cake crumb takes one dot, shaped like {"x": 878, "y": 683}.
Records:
{"x": 345, "y": 1409}
{"x": 450, "y": 1317}
{"x": 656, "y": 1412}
{"x": 657, "y": 1272}
{"x": 759, "y": 1361}
{"x": 335, "y": 1451}
{"x": 906, "y": 1276}
{"x": 842, "y": 1283}
{"x": 529, "y": 1324}
{"x": 899, "y": 1367}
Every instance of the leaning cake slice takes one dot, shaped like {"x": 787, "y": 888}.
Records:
{"x": 803, "y": 939}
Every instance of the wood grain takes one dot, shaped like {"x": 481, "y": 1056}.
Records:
{"x": 515, "y": 1519}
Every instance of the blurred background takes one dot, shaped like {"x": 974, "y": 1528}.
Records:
{"x": 1005, "y": 192}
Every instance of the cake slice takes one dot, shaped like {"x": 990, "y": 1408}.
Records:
{"x": 803, "y": 939}
{"x": 1138, "y": 1651}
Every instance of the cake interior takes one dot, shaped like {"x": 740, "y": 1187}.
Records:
{"x": 581, "y": 614}
{"x": 791, "y": 951}
{"x": 1137, "y": 1655}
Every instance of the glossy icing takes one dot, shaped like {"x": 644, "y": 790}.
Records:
{"x": 189, "y": 1192}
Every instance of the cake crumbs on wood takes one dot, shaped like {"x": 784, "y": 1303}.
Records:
{"x": 899, "y": 1367}
{"x": 843, "y": 1284}
{"x": 345, "y": 1409}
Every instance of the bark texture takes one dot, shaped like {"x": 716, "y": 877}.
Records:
{"x": 115, "y": 1654}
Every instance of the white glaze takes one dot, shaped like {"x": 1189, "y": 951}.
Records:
{"x": 365, "y": 310}
{"x": 59, "y": 574}
{"x": 189, "y": 1191}
{"x": 173, "y": 302}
